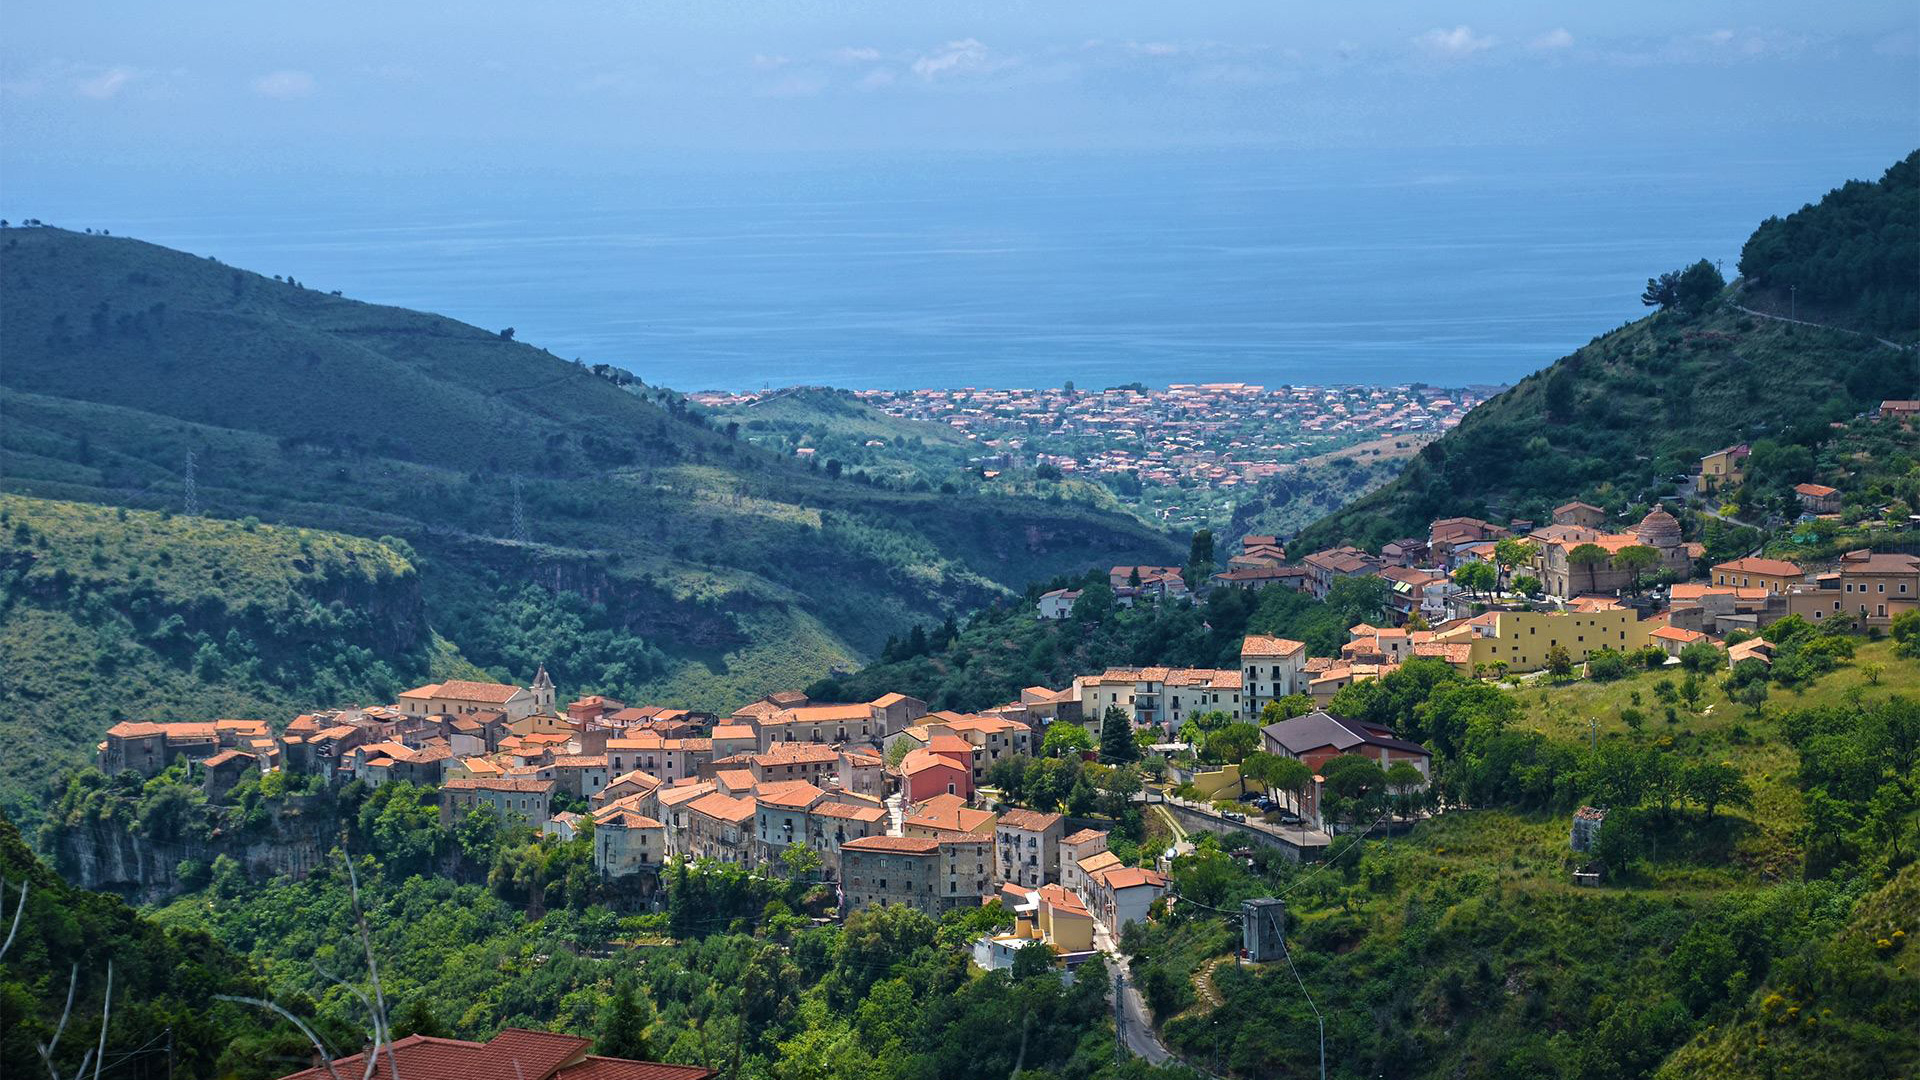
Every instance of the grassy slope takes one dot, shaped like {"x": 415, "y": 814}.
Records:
{"x": 1464, "y": 950}
{"x": 103, "y": 615}
{"x": 321, "y": 411}
{"x": 1649, "y": 398}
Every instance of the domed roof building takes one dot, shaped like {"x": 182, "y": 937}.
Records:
{"x": 1659, "y": 530}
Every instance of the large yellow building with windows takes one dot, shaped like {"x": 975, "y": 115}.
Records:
{"x": 1521, "y": 639}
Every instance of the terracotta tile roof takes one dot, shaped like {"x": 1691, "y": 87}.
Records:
{"x": 723, "y": 807}
{"x": 675, "y": 796}
{"x": 1262, "y": 645}
{"x": 796, "y": 754}
{"x": 918, "y": 761}
{"x": 514, "y": 1054}
{"x": 948, "y": 813}
{"x": 1083, "y": 836}
{"x": 624, "y": 818}
{"x": 949, "y": 744}
{"x": 462, "y": 690}
{"x": 1130, "y": 877}
{"x": 851, "y": 813}
{"x": 885, "y": 700}
{"x": 1098, "y": 861}
{"x": 1058, "y": 897}
{"x": 1817, "y": 491}
{"x": 789, "y": 794}
{"x": 898, "y": 845}
{"x": 1675, "y": 633}
{"x": 735, "y": 779}
{"x": 499, "y": 783}
{"x": 733, "y": 731}
{"x": 1029, "y": 820}
{"x": 1753, "y": 565}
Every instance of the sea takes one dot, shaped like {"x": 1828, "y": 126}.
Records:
{"x": 1451, "y": 266}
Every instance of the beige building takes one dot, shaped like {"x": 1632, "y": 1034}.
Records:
{"x": 527, "y": 799}
{"x": 627, "y": 842}
{"x": 933, "y": 876}
{"x": 1270, "y": 668}
{"x": 1875, "y": 587}
{"x": 459, "y": 697}
{"x": 1027, "y": 848}
{"x": 1522, "y": 639}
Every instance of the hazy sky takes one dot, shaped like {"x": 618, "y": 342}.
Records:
{"x": 389, "y": 85}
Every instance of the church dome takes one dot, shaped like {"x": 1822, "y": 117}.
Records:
{"x": 1658, "y": 529}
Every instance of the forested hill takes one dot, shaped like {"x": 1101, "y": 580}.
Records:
{"x": 556, "y": 511}
{"x": 1635, "y": 407}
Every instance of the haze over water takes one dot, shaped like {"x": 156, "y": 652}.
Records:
{"x": 1449, "y": 266}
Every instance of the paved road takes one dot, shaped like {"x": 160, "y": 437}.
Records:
{"x": 1136, "y": 1023}
{"x": 1823, "y": 326}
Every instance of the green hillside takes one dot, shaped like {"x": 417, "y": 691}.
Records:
{"x": 108, "y": 615}
{"x": 735, "y": 569}
{"x": 1626, "y": 413}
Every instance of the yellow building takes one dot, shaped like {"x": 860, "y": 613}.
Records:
{"x": 1773, "y": 575}
{"x": 1521, "y": 639}
{"x": 1722, "y": 469}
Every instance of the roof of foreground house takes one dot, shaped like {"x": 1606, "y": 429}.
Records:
{"x": 1316, "y": 729}
{"x": 514, "y": 1054}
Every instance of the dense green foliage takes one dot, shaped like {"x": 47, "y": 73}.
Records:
{"x": 1616, "y": 420}
{"x": 1849, "y": 257}
{"x": 1006, "y": 648}
{"x": 108, "y": 615}
{"x": 739, "y": 568}
{"x": 163, "y": 986}
{"x": 1463, "y": 952}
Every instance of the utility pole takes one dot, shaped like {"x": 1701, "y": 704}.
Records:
{"x": 191, "y": 495}
{"x": 1593, "y": 733}
{"x": 1119, "y": 1019}
{"x": 1793, "y": 302}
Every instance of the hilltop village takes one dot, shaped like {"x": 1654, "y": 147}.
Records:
{"x": 891, "y": 802}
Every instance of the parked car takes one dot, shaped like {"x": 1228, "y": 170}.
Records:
{"x": 1234, "y": 815}
{"x": 1288, "y": 817}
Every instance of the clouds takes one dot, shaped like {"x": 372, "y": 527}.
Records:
{"x": 106, "y": 84}
{"x": 1458, "y": 42}
{"x": 284, "y": 85}
{"x": 966, "y": 56}
{"x": 1553, "y": 40}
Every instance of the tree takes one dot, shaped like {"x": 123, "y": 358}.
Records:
{"x": 1559, "y": 662}
{"x": 1356, "y": 786}
{"x": 1711, "y": 784}
{"x": 1527, "y": 585}
{"x": 1753, "y": 695}
{"x": 1510, "y": 552}
{"x": 1701, "y": 657}
{"x": 1033, "y": 958}
{"x": 1285, "y": 708}
{"x": 801, "y": 862}
{"x": 1697, "y": 286}
{"x": 1691, "y": 690}
{"x": 507, "y": 334}
{"x": 1116, "y": 737}
{"x": 1589, "y": 556}
{"x": 1200, "y": 553}
{"x": 1282, "y": 774}
{"x": 1404, "y": 778}
{"x": 1066, "y": 738}
{"x": 1636, "y": 560}
{"x": 624, "y": 1022}
{"x": 1476, "y": 577}
{"x": 1233, "y": 743}
{"x": 1663, "y": 291}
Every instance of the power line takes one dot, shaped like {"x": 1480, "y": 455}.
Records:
{"x": 1288, "y": 953}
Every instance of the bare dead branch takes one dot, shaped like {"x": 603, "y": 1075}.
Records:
{"x": 47, "y": 1048}
{"x": 320, "y": 1048}
{"x": 106, "y": 1014}
{"x": 381, "y": 1033}
{"x": 17, "y": 913}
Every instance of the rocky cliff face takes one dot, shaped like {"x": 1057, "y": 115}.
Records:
{"x": 107, "y": 855}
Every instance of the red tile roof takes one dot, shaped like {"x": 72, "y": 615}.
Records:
{"x": 514, "y": 1054}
